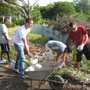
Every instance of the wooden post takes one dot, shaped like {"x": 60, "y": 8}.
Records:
{"x": 3, "y": 18}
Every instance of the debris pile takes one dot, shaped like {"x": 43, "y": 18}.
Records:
{"x": 61, "y": 24}
{"x": 38, "y": 51}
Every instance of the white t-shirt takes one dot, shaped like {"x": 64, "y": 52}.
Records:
{"x": 20, "y": 33}
{"x": 3, "y": 29}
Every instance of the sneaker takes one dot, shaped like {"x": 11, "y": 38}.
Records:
{"x": 2, "y": 61}
{"x": 24, "y": 76}
{"x": 76, "y": 73}
{"x": 16, "y": 70}
{"x": 11, "y": 62}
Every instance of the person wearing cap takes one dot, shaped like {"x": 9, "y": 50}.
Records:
{"x": 78, "y": 36}
{"x": 21, "y": 42}
{"x": 59, "y": 48}
{"x": 4, "y": 42}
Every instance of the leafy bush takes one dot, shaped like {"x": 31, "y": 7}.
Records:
{"x": 36, "y": 15}
{"x": 19, "y": 22}
{"x": 57, "y": 9}
{"x": 64, "y": 8}
{"x": 82, "y": 16}
{"x": 11, "y": 25}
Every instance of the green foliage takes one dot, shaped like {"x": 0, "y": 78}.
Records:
{"x": 63, "y": 8}
{"x": 36, "y": 15}
{"x": 59, "y": 8}
{"x": 74, "y": 55}
{"x": 4, "y": 10}
{"x": 13, "y": 29}
{"x": 85, "y": 65}
{"x": 82, "y": 6}
{"x": 47, "y": 12}
{"x": 59, "y": 72}
{"x": 82, "y": 16}
{"x": 13, "y": 53}
{"x": 38, "y": 39}
{"x": 11, "y": 25}
{"x": 8, "y": 10}
{"x": 19, "y": 21}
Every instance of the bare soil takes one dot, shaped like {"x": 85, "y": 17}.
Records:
{"x": 10, "y": 80}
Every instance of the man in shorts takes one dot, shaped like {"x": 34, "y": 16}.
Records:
{"x": 4, "y": 42}
{"x": 78, "y": 36}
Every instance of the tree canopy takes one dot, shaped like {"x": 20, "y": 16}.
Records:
{"x": 82, "y": 6}
{"x": 58, "y": 8}
{"x": 63, "y": 8}
{"x": 25, "y": 10}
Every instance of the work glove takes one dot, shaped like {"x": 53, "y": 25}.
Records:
{"x": 80, "y": 47}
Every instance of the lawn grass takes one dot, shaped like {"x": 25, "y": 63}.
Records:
{"x": 37, "y": 39}
{"x": 12, "y": 30}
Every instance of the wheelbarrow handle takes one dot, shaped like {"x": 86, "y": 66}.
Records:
{"x": 26, "y": 63}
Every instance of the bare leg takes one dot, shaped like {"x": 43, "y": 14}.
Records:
{"x": 8, "y": 54}
{"x": 78, "y": 66}
{"x": 2, "y": 54}
{"x": 57, "y": 58}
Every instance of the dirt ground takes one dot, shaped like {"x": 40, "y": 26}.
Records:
{"x": 10, "y": 80}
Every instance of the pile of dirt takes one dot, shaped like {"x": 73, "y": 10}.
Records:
{"x": 37, "y": 49}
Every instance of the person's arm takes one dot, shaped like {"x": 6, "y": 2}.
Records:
{"x": 5, "y": 36}
{"x": 85, "y": 33}
{"x": 25, "y": 45}
{"x": 64, "y": 57}
{"x": 80, "y": 47}
{"x": 57, "y": 58}
{"x": 27, "y": 38}
{"x": 86, "y": 38}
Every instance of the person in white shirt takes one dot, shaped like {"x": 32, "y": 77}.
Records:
{"x": 21, "y": 40}
{"x": 4, "y": 41}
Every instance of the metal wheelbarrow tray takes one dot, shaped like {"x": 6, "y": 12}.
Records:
{"x": 46, "y": 73}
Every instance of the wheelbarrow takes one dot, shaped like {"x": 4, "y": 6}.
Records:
{"x": 46, "y": 73}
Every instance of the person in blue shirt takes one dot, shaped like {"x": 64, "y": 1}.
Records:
{"x": 59, "y": 48}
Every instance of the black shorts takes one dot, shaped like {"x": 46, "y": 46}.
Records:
{"x": 86, "y": 52}
{"x": 5, "y": 48}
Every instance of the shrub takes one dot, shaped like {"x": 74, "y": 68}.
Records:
{"x": 11, "y": 25}
{"x": 19, "y": 22}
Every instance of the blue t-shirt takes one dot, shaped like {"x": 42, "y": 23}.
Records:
{"x": 56, "y": 46}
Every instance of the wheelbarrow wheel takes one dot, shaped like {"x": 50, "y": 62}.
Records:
{"x": 56, "y": 85}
